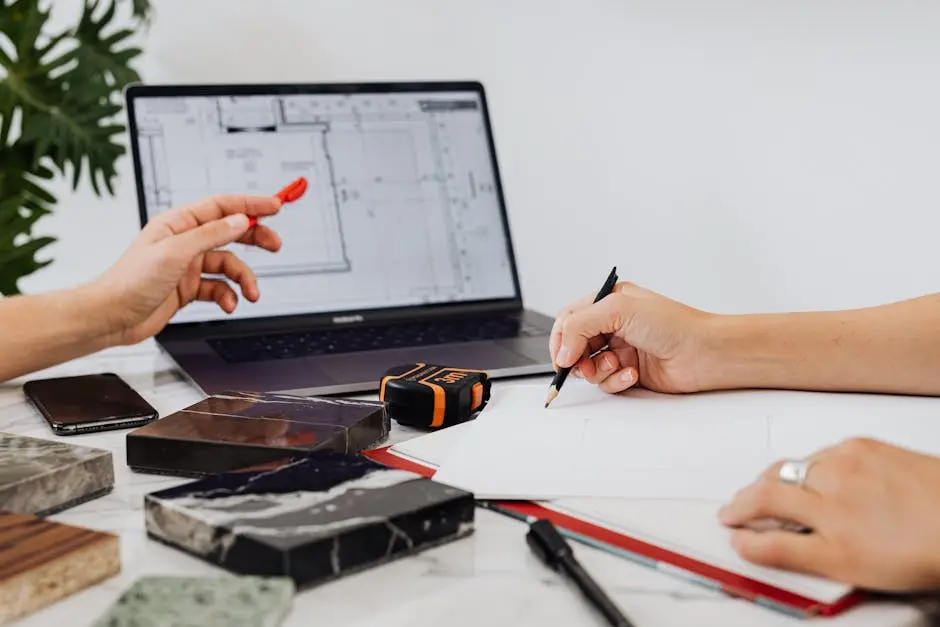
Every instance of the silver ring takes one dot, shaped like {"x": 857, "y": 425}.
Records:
{"x": 794, "y": 471}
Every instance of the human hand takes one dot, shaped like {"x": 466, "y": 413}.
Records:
{"x": 162, "y": 271}
{"x": 873, "y": 509}
{"x": 649, "y": 339}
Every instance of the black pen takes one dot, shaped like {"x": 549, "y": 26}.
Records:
{"x": 547, "y": 543}
{"x": 562, "y": 373}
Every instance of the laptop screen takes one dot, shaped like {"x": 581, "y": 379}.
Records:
{"x": 402, "y": 206}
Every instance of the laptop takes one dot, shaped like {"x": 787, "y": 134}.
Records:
{"x": 399, "y": 252}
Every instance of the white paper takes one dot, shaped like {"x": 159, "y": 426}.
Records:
{"x": 675, "y": 445}
{"x": 643, "y": 445}
{"x": 691, "y": 528}
{"x": 431, "y": 449}
{"x": 687, "y": 527}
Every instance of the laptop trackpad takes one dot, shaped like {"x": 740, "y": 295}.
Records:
{"x": 371, "y": 365}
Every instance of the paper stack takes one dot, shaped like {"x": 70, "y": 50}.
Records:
{"x": 655, "y": 468}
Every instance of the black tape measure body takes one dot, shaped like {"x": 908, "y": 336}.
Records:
{"x": 429, "y": 396}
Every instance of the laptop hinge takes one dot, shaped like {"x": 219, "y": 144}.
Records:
{"x": 253, "y": 326}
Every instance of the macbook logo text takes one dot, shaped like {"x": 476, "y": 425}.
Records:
{"x": 348, "y": 319}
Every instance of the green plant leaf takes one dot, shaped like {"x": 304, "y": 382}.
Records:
{"x": 100, "y": 56}
{"x": 20, "y": 260}
{"x": 23, "y": 201}
{"x": 141, "y": 9}
{"x": 60, "y": 97}
{"x": 67, "y": 95}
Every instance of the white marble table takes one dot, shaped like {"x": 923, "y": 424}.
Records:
{"x": 489, "y": 578}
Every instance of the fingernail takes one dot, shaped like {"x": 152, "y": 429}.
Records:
{"x": 576, "y": 372}
{"x": 627, "y": 376}
{"x": 563, "y": 355}
{"x": 609, "y": 363}
{"x": 237, "y": 221}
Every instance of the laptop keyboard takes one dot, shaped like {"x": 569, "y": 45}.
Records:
{"x": 355, "y": 339}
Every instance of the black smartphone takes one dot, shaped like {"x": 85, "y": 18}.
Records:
{"x": 87, "y": 403}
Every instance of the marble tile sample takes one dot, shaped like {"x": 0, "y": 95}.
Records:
{"x": 233, "y": 431}
{"x": 46, "y": 476}
{"x": 312, "y": 519}
{"x": 42, "y": 562}
{"x": 168, "y": 601}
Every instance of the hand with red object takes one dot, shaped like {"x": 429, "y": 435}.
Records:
{"x": 169, "y": 265}
{"x": 165, "y": 268}
{"x": 163, "y": 271}
{"x": 290, "y": 193}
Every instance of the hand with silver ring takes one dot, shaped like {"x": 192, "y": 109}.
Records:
{"x": 873, "y": 510}
{"x": 794, "y": 471}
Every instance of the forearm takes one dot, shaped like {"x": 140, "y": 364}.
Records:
{"x": 40, "y": 331}
{"x": 892, "y": 348}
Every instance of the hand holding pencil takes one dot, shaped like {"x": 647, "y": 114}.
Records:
{"x": 625, "y": 335}
{"x": 562, "y": 373}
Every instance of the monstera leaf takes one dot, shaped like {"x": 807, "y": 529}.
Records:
{"x": 22, "y": 202}
{"x": 60, "y": 95}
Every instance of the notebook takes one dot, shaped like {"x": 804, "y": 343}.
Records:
{"x": 681, "y": 536}
{"x": 643, "y": 445}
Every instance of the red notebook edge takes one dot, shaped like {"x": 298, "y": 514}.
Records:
{"x": 645, "y": 554}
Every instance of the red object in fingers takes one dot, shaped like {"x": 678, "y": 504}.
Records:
{"x": 290, "y": 193}
{"x": 293, "y": 191}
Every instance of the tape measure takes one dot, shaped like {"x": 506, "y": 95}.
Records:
{"x": 429, "y": 396}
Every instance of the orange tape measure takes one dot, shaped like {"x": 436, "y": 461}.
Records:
{"x": 429, "y": 396}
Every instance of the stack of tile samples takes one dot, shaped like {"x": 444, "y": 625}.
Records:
{"x": 313, "y": 519}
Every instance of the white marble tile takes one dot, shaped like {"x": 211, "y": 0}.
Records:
{"x": 490, "y": 578}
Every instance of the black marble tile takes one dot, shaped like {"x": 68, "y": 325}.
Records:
{"x": 312, "y": 519}
{"x": 43, "y": 477}
{"x": 237, "y": 430}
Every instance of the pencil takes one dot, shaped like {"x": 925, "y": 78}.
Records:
{"x": 562, "y": 373}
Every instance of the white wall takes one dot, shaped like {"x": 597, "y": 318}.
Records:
{"x": 739, "y": 155}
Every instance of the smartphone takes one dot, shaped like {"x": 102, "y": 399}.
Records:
{"x": 87, "y": 403}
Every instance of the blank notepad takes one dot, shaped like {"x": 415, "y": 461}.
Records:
{"x": 643, "y": 445}
{"x": 432, "y": 448}
{"x": 691, "y": 528}
{"x": 774, "y": 423}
